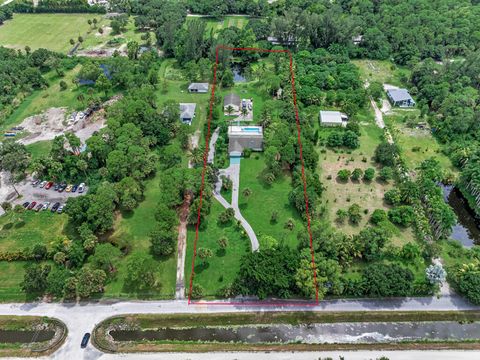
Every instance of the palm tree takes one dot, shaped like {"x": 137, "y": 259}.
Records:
{"x": 196, "y": 156}
{"x": 229, "y": 109}
{"x": 247, "y": 192}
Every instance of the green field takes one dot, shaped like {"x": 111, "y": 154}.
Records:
{"x": 10, "y": 279}
{"x": 39, "y": 148}
{"x": 96, "y": 40}
{"x": 339, "y": 195}
{"x": 416, "y": 145}
{"x": 50, "y": 31}
{"x": 224, "y": 23}
{"x": 41, "y": 100}
{"x": 133, "y": 228}
{"x": 257, "y": 209}
{"x": 222, "y": 268}
{"x": 18, "y": 231}
{"x": 382, "y": 71}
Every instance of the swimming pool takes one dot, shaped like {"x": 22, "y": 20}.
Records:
{"x": 251, "y": 129}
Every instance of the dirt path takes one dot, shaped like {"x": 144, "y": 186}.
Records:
{"x": 182, "y": 248}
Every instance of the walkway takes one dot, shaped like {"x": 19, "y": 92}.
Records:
{"x": 182, "y": 248}
{"x": 81, "y": 318}
{"x": 211, "y": 149}
{"x": 233, "y": 172}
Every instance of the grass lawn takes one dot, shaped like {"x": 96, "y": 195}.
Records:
{"x": 417, "y": 144}
{"x": 258, "y": 208}
{"x": 340, "y": 195}
{"x": 225, "y": 22}
{"x": 11, "y": 275}
{"x": 222, "y": 268}
{"x": 177, "y": 90}
{"x": 39, "y": 148}
{"x": 41, "y": 100}
{"x": 133, "y": 228}
{"x": 95, "y": 39}
{"x": 36, "y": 228}
{"x": 49, "y": 31}
{"x": 381, "y": 71}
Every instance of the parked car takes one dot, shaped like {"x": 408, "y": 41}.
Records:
{"x": 42, "y": 184}
{"x": 68, "y": 188}
{"x": 56, "y": 186}
{"x": 55, "y": 207}
{"x": 74, "y": 188}
{"x": 85, "y": 339}
{"x": 32, "y": 205}
{"x": 49, "y": 185}
{"x": 45, "y": 206}
{"x": 60, "y": 209}
{"x": 35, "y": 183}
{"x": 25, "y": 204}
{"x": 39, "y": 207}
{"x": 62, "y": 187}
{"x": 81, "y": 188}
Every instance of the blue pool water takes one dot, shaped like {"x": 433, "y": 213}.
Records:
{"x": 249, "y": 129}
{"x": 235, "y": 160}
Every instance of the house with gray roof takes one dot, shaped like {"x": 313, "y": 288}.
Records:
{"x": 232, "y": 100}
{"x": 243, "y": 137}
{"x": 400, "y": 98}
{"x": 187, "y": 112}
{"x": 332, "y": 118}
{"x": 198, "y": 88}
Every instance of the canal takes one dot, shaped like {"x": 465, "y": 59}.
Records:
{"x": 467, "y": 228}
{"x": 374, "y": 332}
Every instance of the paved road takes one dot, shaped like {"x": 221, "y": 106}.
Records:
{"x": 81, "y": 318}
{"x": 347, "y": 355}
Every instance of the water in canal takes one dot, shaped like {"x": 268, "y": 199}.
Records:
{"x": 467, "y": 228}
{"x": 25, "y": 337}
{"x": 312, "y": 333}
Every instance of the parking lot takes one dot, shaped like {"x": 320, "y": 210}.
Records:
{"x": 42, "y": 195}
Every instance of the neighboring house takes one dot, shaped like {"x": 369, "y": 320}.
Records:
{"x": 104, "y": 3}
{"x": 187, "y": 112}
{"x": 332, "y": 118}
{"x": 400, "y": 98}
{"x": 232, "y": 100}
{"x": 198, "y": 88}
{"x": 243, "y": 137}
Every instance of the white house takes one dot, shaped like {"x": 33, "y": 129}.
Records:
{"x": 198, "y": 88}
{"x": 231, "y": 100}
{"x": 400, "y": 98}
{"x": 332, "y": 118}
{"x": 187, "y": 112}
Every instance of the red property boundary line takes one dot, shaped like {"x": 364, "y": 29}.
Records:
{"x": 205, "y": 155}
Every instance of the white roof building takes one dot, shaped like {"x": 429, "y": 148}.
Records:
{"x": 332, "y": 118}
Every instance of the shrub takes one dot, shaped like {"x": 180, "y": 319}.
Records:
{"x": 357, "y": 174}
{"x": 369, "y": 174}
{"x": 402, "y": 215}
{"x": 393, "y": 197}
{"x": 354, "y": 213}
{"x": 344, "y": 174}
{"x": 386, "y": 173}
{"x": 378, "y": 216}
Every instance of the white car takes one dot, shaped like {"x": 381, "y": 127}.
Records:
{"x": 81, "y": 188}
{"x": 60, "y": 209}
{"x": 46, "y": 206}
{"x": 43, "y": 183}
